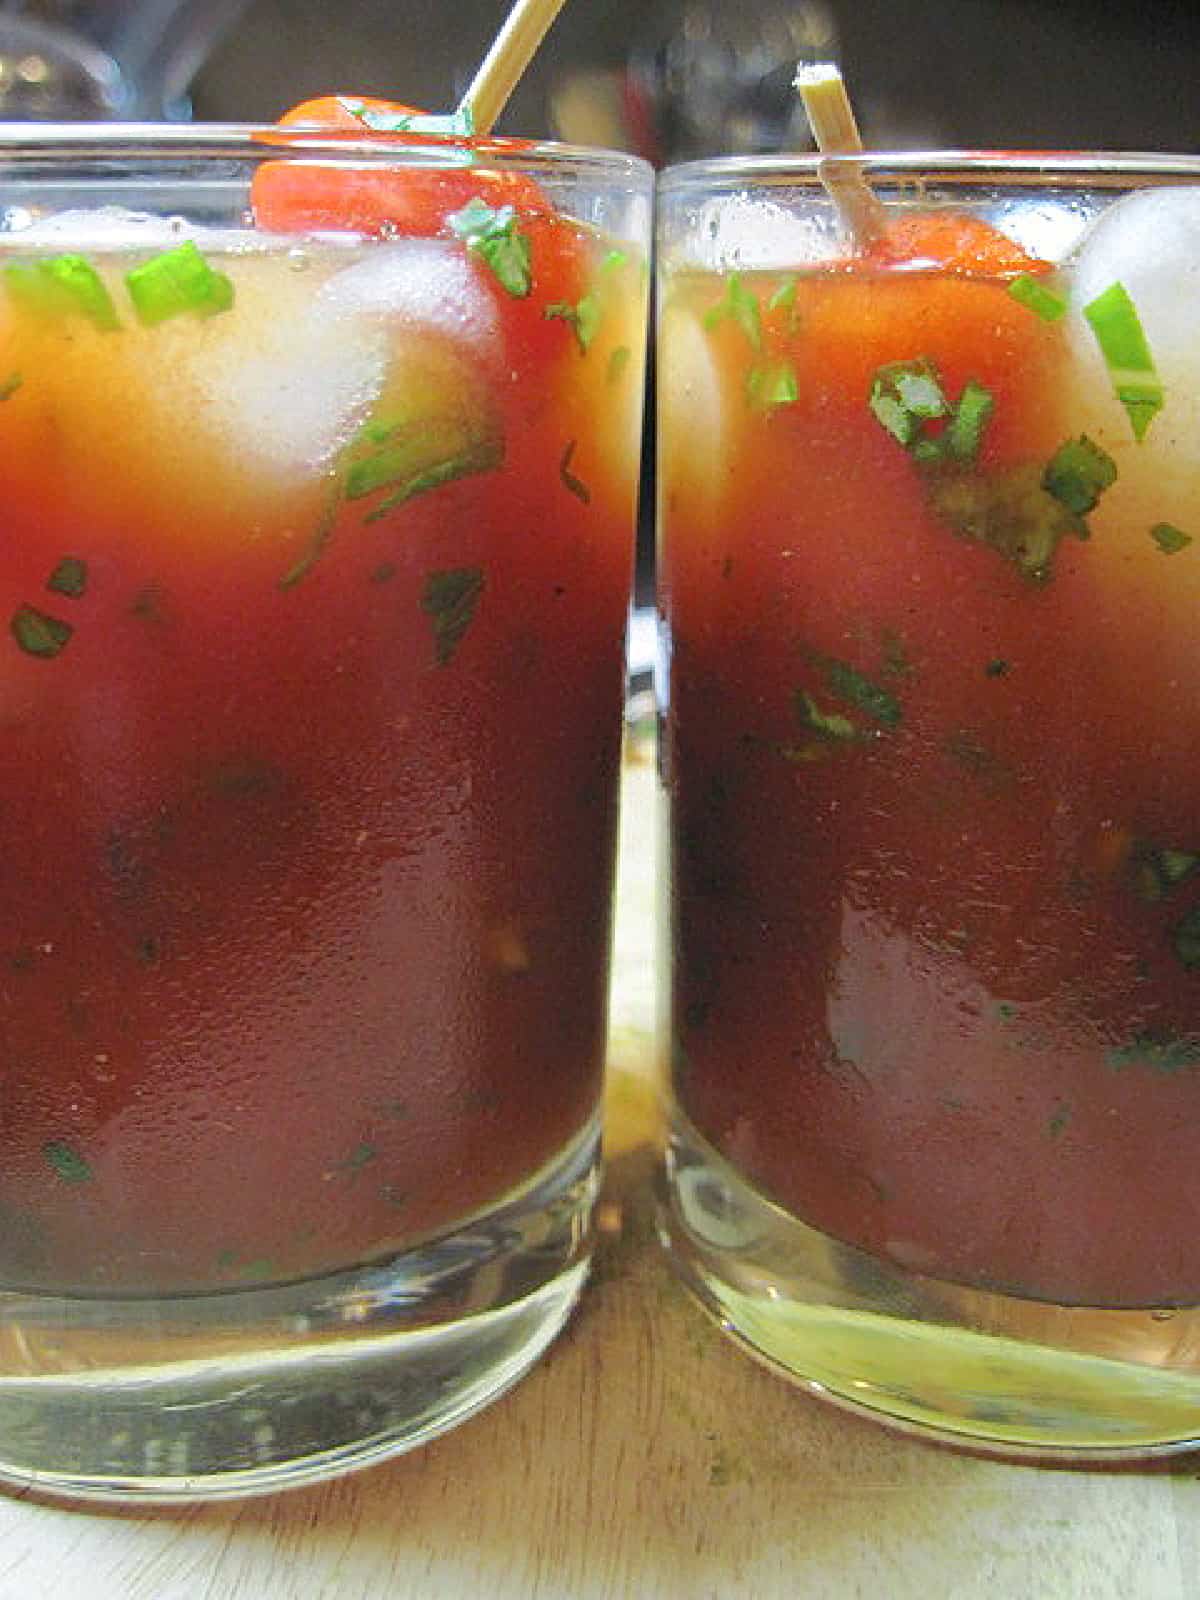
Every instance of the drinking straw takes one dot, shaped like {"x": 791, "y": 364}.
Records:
{"x": 831, "y": 117}
{"x": 512, "y": 50}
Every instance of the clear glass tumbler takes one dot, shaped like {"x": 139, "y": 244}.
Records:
{"x": 320, "y": 458}
{"x": 930, "y": 567}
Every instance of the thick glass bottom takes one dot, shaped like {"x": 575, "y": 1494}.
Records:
{"x": 1009, "y": 1377}
{"x": 257, "y": 1390}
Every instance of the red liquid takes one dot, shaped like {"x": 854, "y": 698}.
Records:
{"x": 305, "y": 905}
{"x": 930, "y": 991}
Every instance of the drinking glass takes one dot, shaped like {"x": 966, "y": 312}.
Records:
{"x": 320, "y": 458}
{"x": 930, "y": 562}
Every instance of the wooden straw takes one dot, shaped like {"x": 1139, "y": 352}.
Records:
{"x": 512, "y": 51}
{"x": 831, "y": 117}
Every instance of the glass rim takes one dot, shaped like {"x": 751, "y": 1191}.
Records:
{"x": 964, "y": 166}
{"x": 32, "y": 143}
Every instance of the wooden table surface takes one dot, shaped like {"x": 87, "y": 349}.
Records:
{"x": 643, "y": 1457}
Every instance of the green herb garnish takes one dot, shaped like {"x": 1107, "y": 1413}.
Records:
{"x": 1078, "y": 474}
{"x": 571, "y": 483}
{"x": 1057, "y": 1124}
{"x": 66, "y": 1161}
{"x": 905, "y": 395}
{"x": 39, "y": 634}
{"x": 1113, "y": 318}
{"x": 63, "y": 285}
{"x": 584, "y": 317}
{"x": 1032, "y": 293}
{"x": 617, "y": 362}
{"x": 1185, "y": 938}
{"x": 1170, "y": 539}
{"x": 1159, "y": 870}
{"x": 770, "y": 384}
{"x": 10, "y": 385}
{"x": 961, "y": 439}
{"x": 831, "y": 725}
{"x": 414, "y": 452}
{"x": 1163, "y": 1052}
{"x": 450, "y": 600}
{"x": 458, "y": 124}
{"x": 740, "y": 305}
{"x": 495, "y": 236}
{"x": 175, "y": 282}
{"x": 850, "y": 686}
{"x": 69, "y": 577}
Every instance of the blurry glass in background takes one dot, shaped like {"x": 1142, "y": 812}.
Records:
{"x": 71, "y": 60}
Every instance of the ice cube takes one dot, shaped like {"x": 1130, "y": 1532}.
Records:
{"x": 1047, "y": 228}
{"x": 419, "y": 284}
{"x": 741, "y": 234}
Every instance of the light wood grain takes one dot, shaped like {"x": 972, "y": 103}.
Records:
{"x": 644, "y": 1458}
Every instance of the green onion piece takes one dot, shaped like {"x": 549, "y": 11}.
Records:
{"x": 69, "y": 577}
{"x": 738, "y": 305}
{"x": 784, "y": 298}
{"x": 1170, "y": 539}
{"x": 1078, "y": 474}
{"x": 39, "y": 634}
{"x": 614, "y": 260}
{"x": 495, "y": 236}
{"x": 176, "y": 281}
{"x": 1033, "y": 294}
{"x": 904, "y": 396}
{"x": 66, "y": 1161}
{"x": 450, "y": 599}
{"x": 772, "y": 383}
{"x": 964, "y": 431}
{"x": 1113, "y": 318}
{"x": 62, "y": 285}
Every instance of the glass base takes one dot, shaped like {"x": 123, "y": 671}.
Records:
{"x": 1003, "y": 1376}
{"x": 253, "y": 1391}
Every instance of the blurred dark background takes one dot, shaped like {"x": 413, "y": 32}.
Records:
{"x": 676, "y": 78}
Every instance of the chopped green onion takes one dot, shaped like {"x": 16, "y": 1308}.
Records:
{"x": 829, "y": 725}
{"x": 1078, "y": 474}
{"x": 39, "y": 634}
{"x": 416, "y": 454}
{"x": 738, "y": 305}
{"x": 69, "y": 577}
{"x": 61, "y": 285}
{"x": 458, "y": 124}
{"x": 848, "y": 684}
{"x": 175, "y": 282}
{"x": 584, "y": 317}
{"x": 1113, "y": 318}
{"x": 450, "y": 599}
{"x": 904, "y": 396}
{"x": 495, "y": 236}
{"x": 1033, "y": 294}
{"x": 964, "y": 431}
{"x": 772, "y": 383}
{"x": 1170, "y": 539}
{"x": 66, "y": 1161}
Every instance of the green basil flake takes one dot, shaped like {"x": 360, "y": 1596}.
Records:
{"x": 1112, "y": 317}
{"x": 10, "y": 385}
{"x": 1170, "y": 539}
{"x": 617, "y": 363}
{"x": 39, "y": 634}
{"x": 1033, "y": 294}
{"x": 63, "y": 285}
{"x": 770, "y": 384}
{"x": 1078, "y": 473}
{"x": 584, "y": 317}
{"x": 1158, "y": 870}
{"x": 450, "y": 599}
{"x": 1160, "y": 1051}
{"x": 739, "y": 305}
{"x": 904, "y": 396}
{"x": 319, "y": 541}
{"x": 1010, "y": 511}
{"x": 1185, "y": 939}
{"x": 964, "y": 431}
{"x": 175, "y": 282}
{"x": 828, "y": 725}
{"x": 574, "y": 485}
{"x": 458, "y": 124}
{"x": 478, "y": 455}
{"x": 413, "y": 453}
{"x": 784, "y": 297}
{"x": 69, "y": 577}
{"x": 66, "y": 1161}
{"x": 850, "y": 686}
{"x": 495, "y": 236}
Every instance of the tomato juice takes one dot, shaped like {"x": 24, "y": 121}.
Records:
{"x": 315, "y": 567}
{"x": 930, "y": 524}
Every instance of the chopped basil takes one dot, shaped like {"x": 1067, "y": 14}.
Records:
{"x": 175, "y": 282}
{"x": 1170, "y": 539}
{"x": 66, "y": 1161}
{"x": 1163, "y": 1052}
{"x": 850, "y": 686}
{"x": 10, "y": 385}
{"x": 1032, "y": 293}
{"x": 1159, "y": 871}
{"x": 495, "y": 236}
{"x": 69, "y": 577}
{"x": 770, "y": 384}
{"x": 996, "y": 668}
{"x": 318, "y": 543}
{"x": 738, "y": 305}
{"x": 1185, "y": 938}
{"x": 62, "y": 285}
{"x": 458, "y": 124}
{"x": 450, "y": 600}
{"x": 571, "y": 483}
{"x": 584, "y": 317}
{"x": 904, "y": 396}
{"x": 1113, "y": 319}
{"x": 1078, "y": 474}
{"x": 825, "y": 724}
{"x": 39, "y": 634}
{"x": 414, "y": 452}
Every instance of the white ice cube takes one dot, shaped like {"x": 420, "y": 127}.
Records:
{"x": 422, "y": 284}
{"x": 741, "y": 234}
